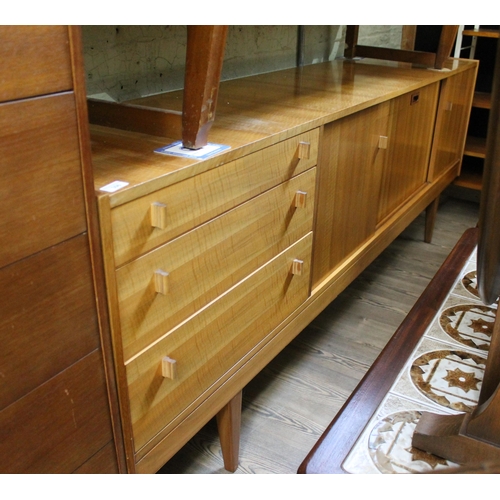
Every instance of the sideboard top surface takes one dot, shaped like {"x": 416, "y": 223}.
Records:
{"x": 252, "y": 113}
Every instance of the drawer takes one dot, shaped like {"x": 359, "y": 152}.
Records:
{"x": 41, "y": 193}
{"x": 38, "y": 61}
{"x": 48, "y": 318}
{"x": 204, "y": 263}
{"x": 149, "y": 221}
{"x": 60, "y": 425}
{"x": 214, "y": 342}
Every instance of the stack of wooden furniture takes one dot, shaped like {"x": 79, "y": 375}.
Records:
{"x": 212, "y": 266}
{"x": 55, "y": 414}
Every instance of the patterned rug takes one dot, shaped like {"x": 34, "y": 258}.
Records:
{"x": 443, "y": 375}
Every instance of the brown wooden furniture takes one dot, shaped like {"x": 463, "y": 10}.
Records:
{"x": 431, "y": 59}
{"x": 331, "y": 450}
{"x": 55, "y": 415}
{"x": 213, "y": 266}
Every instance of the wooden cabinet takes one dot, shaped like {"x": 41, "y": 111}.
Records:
{"x": 219, "y": 260}
{"x": 55, "y": 414}
{"x": 213, "y": 266}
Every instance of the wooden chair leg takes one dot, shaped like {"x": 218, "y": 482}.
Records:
{"x": 351, "y": 40}
{"x": 229, "y": 425}
{"x": 204, "y": 58}
{"x": 446, "y": 41}
{"x": 430, "y": 219}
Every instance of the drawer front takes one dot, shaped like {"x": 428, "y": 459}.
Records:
{"x": 204, "y": 263}
{"x": 145, "y": 223}
{"x": 35, "y": 61}
{"x": 211, "y": 343}
{"x": 41, "y": 193}
{"x": 59, "y": 425}
{"x": 48, "y": 318}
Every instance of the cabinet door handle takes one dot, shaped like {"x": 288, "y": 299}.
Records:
{"x": 382, "y": 142}
{"x": 158, "y": 213}
{"x": 297, "y": 267}
{"x": 169, "y": 368}
{"x": 300, "y": 199}
{"x": 304, "y": 150}
{"x": 161, "y": 281}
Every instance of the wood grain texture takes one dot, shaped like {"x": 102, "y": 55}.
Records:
{"x": 103, "y": 462}
{"x": 204, "y": 58}
{"x": 38, "y": 61}
{"x": 204, "y": 263}
{"x": 59, "y": 425}
{"x": 39, "y": 148}
{"x": 410, "y": 134}
{"x": 350, "y": 171}
{"x": 451, "y": 122}
{"x": 48, "y": 319}
{"x": 290, "y": 403}
{"x": 196, "y": 200}
{"x": 213, "y": 342}
{"x": 253, "y": 113}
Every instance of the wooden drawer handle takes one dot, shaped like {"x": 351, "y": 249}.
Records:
{"x": 158, "y": 215}
{"x": 169, "y": 368}
{"x": 297, "y": 267}
{"x": 382, "y": 142}
{"x": 304, "y": 150}
{"x": 300, "y": 199}
{"x": 161, "y": 281}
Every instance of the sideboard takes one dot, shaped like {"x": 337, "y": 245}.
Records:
{"x": 203, "y": 270}
{"x": 213, "y": 266}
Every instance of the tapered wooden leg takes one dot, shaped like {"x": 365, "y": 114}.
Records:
{"x": 204, "y": 58}
{"x": 430, "y": 219}
{"x": 446, "y": 41}
{"x": 229, "y": 425}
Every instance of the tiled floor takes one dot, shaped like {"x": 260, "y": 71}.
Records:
{"x": 443, "y": 375}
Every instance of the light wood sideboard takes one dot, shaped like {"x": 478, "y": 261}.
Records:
{"x": 213, "y": 266}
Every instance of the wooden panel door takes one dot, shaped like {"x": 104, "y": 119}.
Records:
{"x": 451, "y": 123}
{"x": 349, "y": 171}
{"x": 409, "y": 140}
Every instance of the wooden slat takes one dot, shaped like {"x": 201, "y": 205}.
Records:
{"x": 143, "y": 119}
{"x": 482, "y": 100}
{"x": 475, "y": 146}
{"x": 484, "y": 33}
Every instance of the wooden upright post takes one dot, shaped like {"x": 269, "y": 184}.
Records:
{"x": 204, "y": 57}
